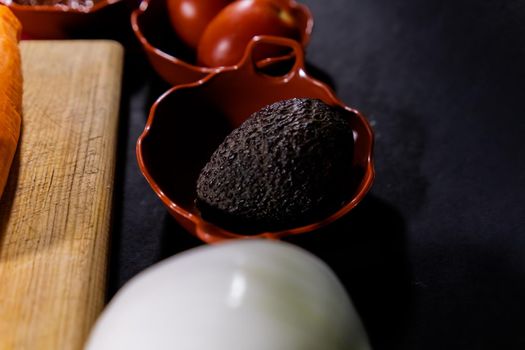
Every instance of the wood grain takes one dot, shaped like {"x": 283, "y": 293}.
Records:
{"x": 55, "y": 212}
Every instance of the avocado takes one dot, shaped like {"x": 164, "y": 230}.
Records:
{"x": 287, "y": 165}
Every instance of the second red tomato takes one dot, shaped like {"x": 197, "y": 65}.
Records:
{"x": 226, "y": 36}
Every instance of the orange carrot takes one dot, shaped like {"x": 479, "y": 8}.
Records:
{"x": 10, "y": 91}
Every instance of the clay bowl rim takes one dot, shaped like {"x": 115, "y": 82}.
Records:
{"x": 210, "y": 232}
{"x": 143, "y": 7}
{"x": 62, "y": 8}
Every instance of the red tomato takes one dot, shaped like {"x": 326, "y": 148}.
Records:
{"x": 189, "y": 18}
{"x": 225, "y": 38}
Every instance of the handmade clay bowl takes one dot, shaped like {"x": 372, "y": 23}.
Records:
{"x": 104, "y": 19}
{"x": 173, "y": 60}
{"x": 188, "y": 122}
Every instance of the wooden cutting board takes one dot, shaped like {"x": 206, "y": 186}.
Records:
{"x": 55, "y": 212}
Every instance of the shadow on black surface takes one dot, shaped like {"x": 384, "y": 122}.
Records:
{"x": 130, "y": 83}
{"x": 321, "y": 75}
{"x": 157, "y": 87}
{"x": 366, "y": 249}
{"x": 175, "y": 239}
{"x": 136, "y": 73}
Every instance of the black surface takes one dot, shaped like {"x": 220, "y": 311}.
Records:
{"x": 435, "y": 255}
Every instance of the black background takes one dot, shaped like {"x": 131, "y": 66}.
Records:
{"x": 434, "y": 257}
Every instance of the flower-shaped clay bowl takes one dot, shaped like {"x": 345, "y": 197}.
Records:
{"x": 188, "y": 122}
{"x": 174, "y": 61}
{"x": 101, "y": 19}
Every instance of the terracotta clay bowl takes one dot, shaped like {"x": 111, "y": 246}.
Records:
{"x": 188, "y": 122}
{"x": 173, "y": 60}
{"x": 105, "y": 19}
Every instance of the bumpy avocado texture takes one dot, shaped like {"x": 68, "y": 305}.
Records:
{"x": 288, "y": 164}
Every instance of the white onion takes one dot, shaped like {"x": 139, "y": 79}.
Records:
{"x": 240, "y": 295}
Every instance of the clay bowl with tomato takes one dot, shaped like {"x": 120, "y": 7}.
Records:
{"x": 54, "y": 20}
{"x": 189, "y": 121}
{"x": 185, "y": 40}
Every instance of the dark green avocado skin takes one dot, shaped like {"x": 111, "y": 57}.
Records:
{"x": 288, "y": 164}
